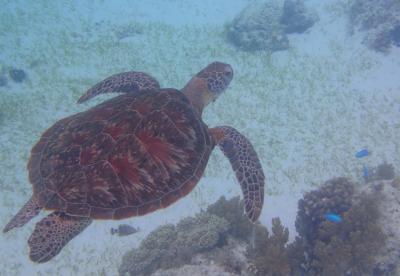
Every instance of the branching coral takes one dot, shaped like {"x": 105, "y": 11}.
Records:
{"x": 269, "y": 256}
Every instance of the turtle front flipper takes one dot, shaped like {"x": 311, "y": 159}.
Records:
{"x": 247, "y": 166}
{"x": 27, "y": 212}
{"x": 52, "y": 233}
{"x": 127, "y": 82}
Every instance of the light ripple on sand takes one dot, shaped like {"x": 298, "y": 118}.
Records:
{"x": 306, "y": 110}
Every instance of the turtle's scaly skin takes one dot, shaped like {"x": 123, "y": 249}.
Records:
{"x": 125, "y": 82}
{"x": 126, "y": 157}
{"x": 52, "y": 233}
{"x": 247, "y": 167}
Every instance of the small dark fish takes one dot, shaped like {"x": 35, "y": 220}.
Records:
{"x": 124, "y": 230}
{"x": 362, "y": 153}
{"x": 333, "y": 217}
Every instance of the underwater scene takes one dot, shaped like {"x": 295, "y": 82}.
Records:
{"x": 178, "y": 137}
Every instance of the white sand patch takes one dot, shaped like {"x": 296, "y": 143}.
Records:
{"x": 306, "y": 110}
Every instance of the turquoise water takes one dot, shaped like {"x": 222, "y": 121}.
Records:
{"x": 307, "y": 110}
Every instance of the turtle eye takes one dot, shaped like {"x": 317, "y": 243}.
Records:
{"x": 228, "y": 73}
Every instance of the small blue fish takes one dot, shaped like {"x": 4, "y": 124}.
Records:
{"x": 333, "y": 217}
{"x": 365, "y": 171}
{"x": 362, "y": 153}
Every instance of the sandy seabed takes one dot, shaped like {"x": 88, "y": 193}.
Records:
{"x": 306, "y": 110}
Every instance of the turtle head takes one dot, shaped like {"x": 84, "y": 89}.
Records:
{"x": 216, "y": 78}
{"x": 208, "y": 84}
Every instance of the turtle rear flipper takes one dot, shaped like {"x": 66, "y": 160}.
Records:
{"x": 247, "y": 166}
{"x": 52, "y": 233}
{"x": 27, "y": 212}
{"x": 126, "y": 82}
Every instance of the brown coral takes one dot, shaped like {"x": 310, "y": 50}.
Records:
{"x": 171, "y": 246}
{"x": 383, "y": 171}
{"x": 232, "y": 211}
{"x": 218, "y": 237}
{"x": 345, "y": 248}
{"x": 349, "y": 248}
{"x": 335, "y": 196}
{"x": 269, "y": 256}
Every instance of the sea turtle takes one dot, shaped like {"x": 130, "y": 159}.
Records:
{"x": 129, "y": 156}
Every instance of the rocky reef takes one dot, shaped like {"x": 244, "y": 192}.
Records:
{"x": 221, "y": 240}
{"x": 379, "y": 19}
{"x": 296, "y": 18}
{"x": 264, "y": 25}
{"x": 257, "y": 27}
